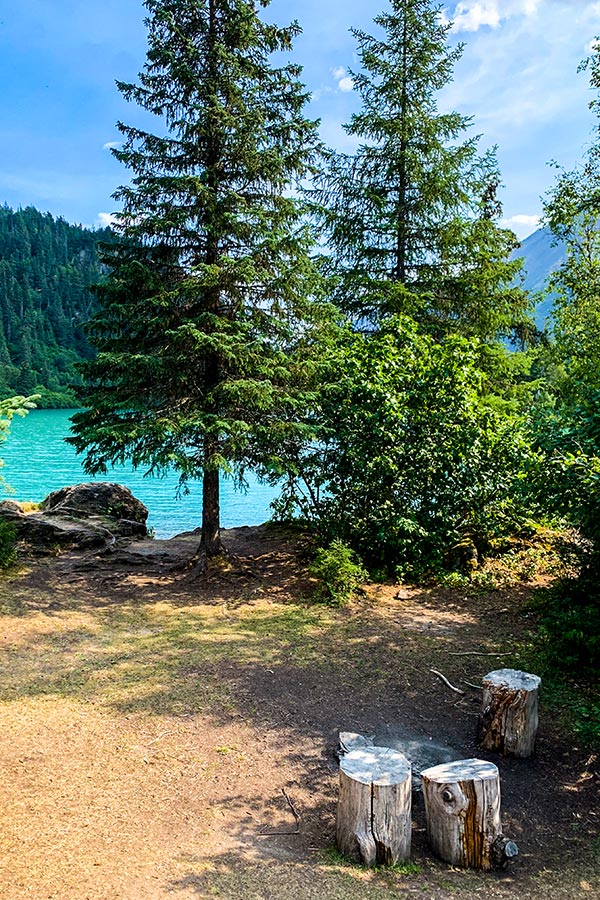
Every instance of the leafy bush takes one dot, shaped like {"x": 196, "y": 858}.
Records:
{"x": 568, "y": 485}
{"x": 339, "y": 573}
{"x": 570, "y": 627}
{"x": 8, "y": 553}
{"x": 410, "y": 456}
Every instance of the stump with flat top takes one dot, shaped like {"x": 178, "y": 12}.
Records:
{"x": 509, "y": 716}
{"x": 462, "y": 809}
{"x": 374, "y": 809}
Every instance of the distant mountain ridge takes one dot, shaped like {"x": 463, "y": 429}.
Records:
{"x": 541, "y": 256}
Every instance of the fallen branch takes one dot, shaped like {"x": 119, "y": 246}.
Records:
{"x": 446, "y": 682}
{"x": 473, "y": 653}
{"x": 296, "y": 816}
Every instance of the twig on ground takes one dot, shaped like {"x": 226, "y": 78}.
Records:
{"x": 476, "y": 687}
{"x": 291, "y": 806}
{"x": 159, "y": 738}
{"x": 473, "y": 653}
{"x": 446, "y": 682}
{"x": 296, "y": 816}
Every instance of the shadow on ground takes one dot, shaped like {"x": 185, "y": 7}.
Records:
{"x": 243, "y": 649}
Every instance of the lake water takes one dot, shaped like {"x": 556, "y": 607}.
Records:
{"x": 37, "y": 460}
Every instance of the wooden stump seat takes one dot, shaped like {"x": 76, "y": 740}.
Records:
{"x": 462, "y": 809}
{"x": 509, "y": 716}
{"x": 374, "y": 809}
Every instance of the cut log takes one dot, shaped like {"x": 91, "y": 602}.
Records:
{"x": 509, "y": 716}
{"x": 374, "y": 809}
{"x": 462, "y": 809}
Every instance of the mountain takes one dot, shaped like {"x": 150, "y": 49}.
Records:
{"x": 46, "y": 267}
{"x": 541, "y": 256}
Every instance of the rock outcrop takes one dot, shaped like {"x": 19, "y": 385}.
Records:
{"x": 96, "y": 515}
{"x": 98, "y": 498}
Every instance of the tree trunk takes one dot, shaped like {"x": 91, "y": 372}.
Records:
{"x": 210, "y": 541}
{"x": 374, "y": 810}
{"x": 462, "y": 808}
{"x": 509, "y": 717}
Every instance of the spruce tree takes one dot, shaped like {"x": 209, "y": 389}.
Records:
{"x": 208, "y": 285}
{"x": 412, "y": 217}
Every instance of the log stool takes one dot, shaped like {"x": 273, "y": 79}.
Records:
{"x": 374, "y": 809}
{"x": 462, "y": 809}
{"x": 509, "y": 716}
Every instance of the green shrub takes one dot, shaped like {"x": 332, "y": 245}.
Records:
{"x": 570, "y": 627}
{"x": 410, "y": 456}
{"x": 8, "y": 536}
{"x": 339, "y": 573}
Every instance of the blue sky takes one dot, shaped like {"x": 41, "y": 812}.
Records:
{"x": 58, "y": 105}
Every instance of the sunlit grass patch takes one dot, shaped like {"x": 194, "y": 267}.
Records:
{"x": 155, "y": 658}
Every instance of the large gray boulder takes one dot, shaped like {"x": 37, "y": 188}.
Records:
{"x": 97, "y": 498}
{"x": 90, "y": 516}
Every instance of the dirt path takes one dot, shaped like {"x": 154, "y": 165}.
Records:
{"x": 157, "y": 732}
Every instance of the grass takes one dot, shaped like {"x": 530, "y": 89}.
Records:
{"x": 332, "y": 856}
{"x": 154, "y": 658}
{"x": 229, "y": 880}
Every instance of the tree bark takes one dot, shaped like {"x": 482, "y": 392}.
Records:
{"x": 509, "y": 716}
{"x": 210, "y": 541}
{"x": 462, "y": 808}
{"x": 374, "y": 809}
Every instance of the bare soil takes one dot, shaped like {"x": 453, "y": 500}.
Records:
{"x": 160, "y": 733}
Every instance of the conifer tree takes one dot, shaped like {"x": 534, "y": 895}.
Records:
{"x": 208, "y": 285}
{"x": 412, "y": 217}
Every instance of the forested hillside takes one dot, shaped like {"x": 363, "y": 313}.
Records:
{"x": 46, "y": 266}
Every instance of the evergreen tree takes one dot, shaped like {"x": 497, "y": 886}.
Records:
{"x": 207, "y": 286}
{"x": 412, "y": 217}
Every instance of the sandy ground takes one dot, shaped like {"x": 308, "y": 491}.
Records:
{"x": 160, "y": 735}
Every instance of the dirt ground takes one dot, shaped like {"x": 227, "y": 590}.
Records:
{"x": 159, "y": 734}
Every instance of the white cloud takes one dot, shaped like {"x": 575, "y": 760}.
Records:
{"x": 111, "y": 145}
{"x": 522, "y": 224}
{"x": 521, "y": 78}
{"x": 345, "y": 82}
{"x": 106, "y": 220}
{"x": 471, "y": 15}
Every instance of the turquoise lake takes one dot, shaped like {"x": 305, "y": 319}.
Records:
{"x": 37, "y": 460}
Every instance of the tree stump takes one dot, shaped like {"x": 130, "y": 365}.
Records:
{"x": 509, "y": 717}
{"x": 374, "y": 809}
{"x": 462, "y": 809}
